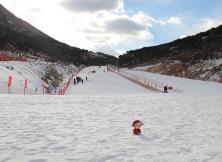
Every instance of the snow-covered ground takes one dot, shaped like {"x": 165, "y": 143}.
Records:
{"x": 98, "y": 128}
{"x": 19, "y": 71}
{"x": 94, "y": 124}
{"x": 32, "y": 70}
{"x": 187, "y": 85}
{"x": 104, "y": 83}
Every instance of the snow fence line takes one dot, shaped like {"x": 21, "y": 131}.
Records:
{"x": 62, "y": 89}
{"x": 7, "y": 86}
{"x": 144, "y": 82}
{"x": 4, "y": 57}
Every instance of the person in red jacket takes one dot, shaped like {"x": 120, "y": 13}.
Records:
{"x": 137, "y": 124}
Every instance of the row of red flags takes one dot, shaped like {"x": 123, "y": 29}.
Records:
{"x": 10, "y": 84}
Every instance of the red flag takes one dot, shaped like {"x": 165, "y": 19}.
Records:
{"x": 10, "y": 81}
{"x": 26, "y": 83}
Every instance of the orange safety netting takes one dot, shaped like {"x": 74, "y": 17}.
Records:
{"x": 11, "y": 58}
{"x": 62, "y": 90}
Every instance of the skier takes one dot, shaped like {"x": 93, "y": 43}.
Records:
{"x": 137, "y": 124}
{"x": 86, "y": 78}
{"x": 82, "y": 81}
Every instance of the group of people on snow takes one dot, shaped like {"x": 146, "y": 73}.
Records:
{"x": 78, "y": 80}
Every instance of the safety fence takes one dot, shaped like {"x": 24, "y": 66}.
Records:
{"x": 14, "y": 85}
{"x": 144, "y": 82}
{"x": 62, "y": 89}
{"x": 10, "y": 87}
{"x": 45, "y": 89}
{"x": 4, "y": 57}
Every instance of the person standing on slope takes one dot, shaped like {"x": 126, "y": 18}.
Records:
{"x": 74, "y": 81}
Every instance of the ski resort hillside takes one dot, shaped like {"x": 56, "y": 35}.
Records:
{"x": 207, "y": 70}
{"x": 110, "y": 81}
{"x": 196, "y": 57}
{"x": 19, "y": 35}
{"x": 32, "y": 70}
{"x": 189, "y": 86}
{"x": 103, "y": 82}
{"x": 92, "y": 122}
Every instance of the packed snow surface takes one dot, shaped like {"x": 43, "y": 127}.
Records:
{"x": 104, "y": 83}
{"x": 94, "y": 124}
{"x": 187, "y": 85}
{"x": 98, "y": 128}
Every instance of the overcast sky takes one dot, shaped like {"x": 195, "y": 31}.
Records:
{"x": 118, "y": 25}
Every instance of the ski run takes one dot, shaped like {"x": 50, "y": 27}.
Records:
{"x": 92, "y": 121}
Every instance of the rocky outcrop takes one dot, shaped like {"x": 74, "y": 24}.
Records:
{"x": 209, "y": 70}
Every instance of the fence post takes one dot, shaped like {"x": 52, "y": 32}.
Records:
{"x": 43, "y": 90}
{"x": 25, "y": 86}
{"x": 9, "y": 84}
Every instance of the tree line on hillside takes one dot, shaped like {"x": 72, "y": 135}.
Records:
{"x": 189, "y": 50}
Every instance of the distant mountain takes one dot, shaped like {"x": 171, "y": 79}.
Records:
{"x": 195, "y": 57}
{"x": 189, "y": 50}
{"x": 106, "y": 49}
{"x": 20, "y": 35}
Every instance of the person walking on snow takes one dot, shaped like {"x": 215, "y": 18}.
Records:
{"x": 74, "y": 81}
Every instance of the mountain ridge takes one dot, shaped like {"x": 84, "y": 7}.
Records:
{"x": 24, "y": 37}
{"x": 195, "y": 57}
{"x": 204, "y": 45}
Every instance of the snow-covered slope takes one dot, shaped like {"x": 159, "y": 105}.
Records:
{"x": 94, "y": 123}
{"x": 183, "y": 128}
{"x": 32, "y": 70}
{"x": 187, "y": 85}
{"x": 104, "y": 83}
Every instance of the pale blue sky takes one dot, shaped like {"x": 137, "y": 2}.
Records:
{"x": 195, "y": 16}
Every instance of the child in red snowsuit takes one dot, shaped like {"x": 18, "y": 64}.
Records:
{"x": 137, "y": 124}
